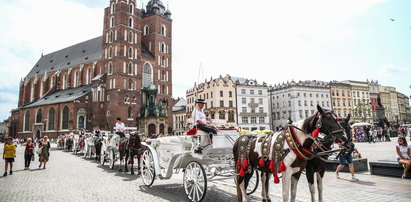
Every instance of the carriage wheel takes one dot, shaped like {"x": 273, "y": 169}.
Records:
{"x": 253, "y": 183}
{"x": 112, "y": 159}
{"x": 195, "y": 181}
{"x": 147, "y": 169}
{"x": 102, "y": 157}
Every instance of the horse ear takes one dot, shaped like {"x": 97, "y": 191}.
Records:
{"x": 348, "y": 118}
{"x": 320, "y": 110}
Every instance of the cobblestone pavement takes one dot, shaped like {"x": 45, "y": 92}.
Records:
{"x": 72, "y": 178}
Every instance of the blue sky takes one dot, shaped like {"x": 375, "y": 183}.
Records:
{"x": 273, "y": 41}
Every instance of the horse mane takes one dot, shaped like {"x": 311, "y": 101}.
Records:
{"x": 309, "y": 123}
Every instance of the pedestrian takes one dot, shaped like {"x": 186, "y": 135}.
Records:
{"x": 120, "y": 128}
{"x": 44, "y": 155}
{"x": 403, "y": 155}
{"x": 28, "y": 153}
{"x": 346, "y": 158}
{"x": 9, "y": 153}
{"x": 367, "y": 133}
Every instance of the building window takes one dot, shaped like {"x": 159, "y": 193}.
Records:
{"x": 39, "y": 116}
{"x": 27, "y": 121}
{"x": 301, "y": 114}
{"x": 252, "y": 100}
{"x": 221, "y": 115}
{"x": 253, "y": 119}
{"x": 130, "y": 37}
{"x": 146, "y": 30}
{"x": 112, "y": 21}
{"x": 230, "y": 103}
{"x": 130, "y": 22}
{"x": 221, "y": 103}
{"x": 252, "y": 92}
{"x": 231, "y": 116}
{"x": 221, "y": 93}
{"x": 163, "y": 47}
{"x": 130, "y": 69}
{"x": 132, "y": 9}
{"x": 129, "y": 114}
{"x": 243, "y": 91}
{"x": 244, "y": 109}
{"x": 147, "y": 74}
{"x": 113, "y": 8}
{"x": 51, "y": 119}
{"x": 261, "y": 109}
{"x": 252, "y": 109}
{"x": 110, "y": 68}
{"x": 289, "y": 103}
{"x": 80, "y": 123}
{"x": 299, "y": 102}
{"x": 88, "y": 76}
{"x": 260, "y": 92}
{"x": 260, "y": 101}
{"x": 244, "y": 119}
{"x": 163, "y": 30}
{"x": 230, "y": 94}
{"x": 65, "y": 118}
{"x": 244, "y": 100}
{"x": 261, "y": 120}
{"x": 76, "y": 79}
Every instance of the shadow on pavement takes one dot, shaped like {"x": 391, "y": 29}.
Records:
{"x": 175, "y": 192}
{"x": 365, "y": 183}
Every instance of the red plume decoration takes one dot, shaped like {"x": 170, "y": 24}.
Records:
{"x": 315, "y": 132}
{"x": 261, "y": 163}
{"x": 242, "y": 173}
{"x": 271, "y": 167}
{"x": 276, "y": 179}
{"x": 282, "y": 167}
{"x": 245, "y": 163}
{"x": 239, "y": 163}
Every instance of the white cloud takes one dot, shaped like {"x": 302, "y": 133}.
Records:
{"x": 390, "y": 69}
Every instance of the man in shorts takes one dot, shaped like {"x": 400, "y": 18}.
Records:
{"x": 346, "y": 158}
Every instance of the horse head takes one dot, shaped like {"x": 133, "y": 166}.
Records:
{"x": 325, "y": 122}
{"x": 135, "y": 140}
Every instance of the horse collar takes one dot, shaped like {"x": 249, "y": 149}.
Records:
{"x": 295, "y": 145}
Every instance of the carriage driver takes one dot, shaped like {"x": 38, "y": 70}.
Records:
{"x": 120, "y": 128}
{"x": 201, "y": 122}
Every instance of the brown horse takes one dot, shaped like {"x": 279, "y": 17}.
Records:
{"x": 285, "y": 152}
{"x": 129, "y": 148}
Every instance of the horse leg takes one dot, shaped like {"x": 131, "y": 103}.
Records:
{"x": 132, "y": 163}
{"x": 294, "y": 182}
{"x": 138, "y": 161}
{"x": 310, "y": 179}
{"x": 320, "y": 176}
{"x": 264, "y": 184}
{"x": 241, "y": 192}
{"x": 126, "y": 163}
{"x": 286, "y": 185}
{"x": 267, "y": 184}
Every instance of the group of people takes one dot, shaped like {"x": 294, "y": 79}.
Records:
{"x": 370, "y": 134}
{"x": 9, "y": 153}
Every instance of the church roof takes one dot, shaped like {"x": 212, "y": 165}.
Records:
{"x": 80, "y": 53}
{"x": 62, "y": 96}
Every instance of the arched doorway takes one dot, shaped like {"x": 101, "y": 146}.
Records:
{"x": 151, "y": 130}
{"x": 38, "y": 134}
{"x": 162, "y": 129}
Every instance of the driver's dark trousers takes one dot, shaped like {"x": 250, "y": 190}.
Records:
{"x": 208, "y": 130}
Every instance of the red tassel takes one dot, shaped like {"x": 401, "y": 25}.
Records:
{"x": 245, "y": 163}
{"x": 337, "y": 119}
{"x": 271, "y": 167}
{"x": 242, "y": 174}
{"x": 261, "y": 163}
{"x": 276, "y": 179}
{"x": 282, "y": 167}
{"x": 239, "y": 163}
{"x": 315, "y": 132}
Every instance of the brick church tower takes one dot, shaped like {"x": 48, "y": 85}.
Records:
{"x": 136, "y": 55}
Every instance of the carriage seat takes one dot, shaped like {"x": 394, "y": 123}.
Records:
{"x": 193, "y": 131}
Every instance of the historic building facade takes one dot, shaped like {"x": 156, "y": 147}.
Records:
{"x": 220, "y": 96}
{"x": 179, "y": 117}
{"x": 385, "y": 96}
{"x": 124, "y": 73}
{"x": 297, "y": 100}
{"x": 252, "y": 104}
{"x": 362, "y": 110}
{"x": 341, "y": 98}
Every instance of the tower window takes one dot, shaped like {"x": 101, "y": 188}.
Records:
{"x": 130, "y": 68}
{"x": 132, "y": 9}
{"x": 113, "y": 9}
{"x": 110, "y": 37}
{"x": 163, "y": 47}
{"x": 130, "y": 22}
{"x": 110, "y": 68}
{"x": 130, "y": 52}
{"x": 130, "y": 37}
{"x": 163, "y": 30}
{"x": 146, "y": 30}
{"x": 112, "y": 21}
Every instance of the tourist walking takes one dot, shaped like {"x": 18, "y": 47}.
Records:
{"x": 346, "y": 158}
{"x": 403, "y": 155}
{"x": 28, "y": 153}
{"x": 44, "y": 153}
{"x": 9, "y": 153}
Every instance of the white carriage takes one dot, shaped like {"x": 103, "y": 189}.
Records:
{"x": 110, "y": 149}
{"x": 89, "y": 147}
{"x": 166, "y": 155}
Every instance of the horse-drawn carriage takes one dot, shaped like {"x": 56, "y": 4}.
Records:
{"x": 167, "y": 154}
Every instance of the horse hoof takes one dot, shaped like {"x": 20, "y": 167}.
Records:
{"x": 120, "y": 170}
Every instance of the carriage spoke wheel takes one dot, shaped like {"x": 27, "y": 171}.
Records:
{"x": 147, "y": 169}
{"x": 112, "y": 159}
{"x": 253, "y": 183}
{"x": 102, "y": 157}
{"x": 195, "y": 181}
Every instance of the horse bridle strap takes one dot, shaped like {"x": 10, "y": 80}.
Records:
{"x": 295, "y": 145}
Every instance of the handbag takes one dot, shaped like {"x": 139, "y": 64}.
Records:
{"x": 39, "y": 150}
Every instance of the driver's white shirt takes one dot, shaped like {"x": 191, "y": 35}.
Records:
{"x": 120, "y": 127}
{"x": 199, "y": 115}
